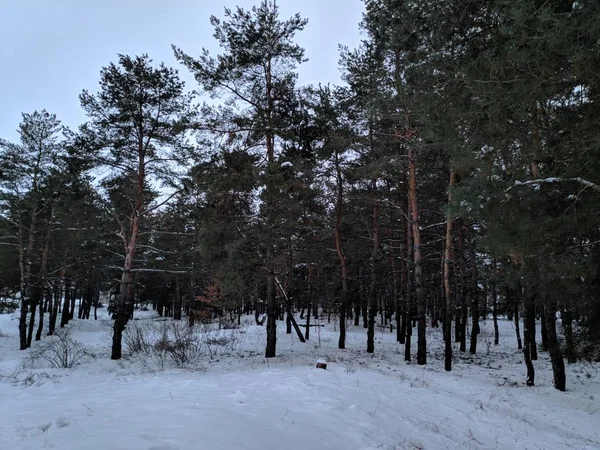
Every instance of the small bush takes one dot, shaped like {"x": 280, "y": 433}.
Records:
{"x": 175, "y": 343}
{"x": 60, "y": 351}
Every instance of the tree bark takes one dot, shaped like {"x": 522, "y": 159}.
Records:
{"x": 447, "y": 305}
{"x": 373, "y": 264}
{"x": 558, "y": 365}
{"x": 417, "y": 258}
{"x": 526, "y": 354}
{"x": 530, "y": 322}
{"x": 495, "y": 311}
{"x": 308, "y": 300}
{"x": 510, "y": 299}
{"x": 408, "y": 296}
{"x": 567, "y": 322}
{"x": 474, "y": 305}
{"x": 340, "y": 251}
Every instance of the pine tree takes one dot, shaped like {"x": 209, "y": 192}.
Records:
{"x": 255, "y": 76}
{"x": 136, "y": 130}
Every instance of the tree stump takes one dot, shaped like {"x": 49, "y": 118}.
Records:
{"x": 321, "y": 364}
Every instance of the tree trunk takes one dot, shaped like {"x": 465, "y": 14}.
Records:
{"x": 57, "y": 294}
{"x": 530, "y": 320}
{"x": 408, "y": 296}
{"x": 510, "y": 299}
{"x": 338, "y": 247}
{"x": 421, "y": 300}
{"x": 64, "y": 317}
{"x": 373, "y": 264}
{"x": 290, "y": 315}
{"x": 447, "y": 305}
{"x": 121, "y": 313}
{"x": 177, "y": 305}
{"x": 474, "y": 306}
{"x": 526, "y": 354}
{"x": 558, "y": 365}
{"x": 271, "y": 346}
{"x": 309, "y": 301}
{"x": 464, "y": 313}
{"x": 544, "y": 330}
{"x": 567, "y": 322}
{"x": 35, "y": 295}
{"x": 24, "y": 302}
{"x": 495, "y": 312}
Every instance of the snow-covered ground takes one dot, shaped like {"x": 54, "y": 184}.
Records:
{"x": 239, "y": 400}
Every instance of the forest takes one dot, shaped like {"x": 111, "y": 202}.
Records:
{"x": 452, "y": 179}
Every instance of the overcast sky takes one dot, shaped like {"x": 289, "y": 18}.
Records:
{"x": 50, "y": 50}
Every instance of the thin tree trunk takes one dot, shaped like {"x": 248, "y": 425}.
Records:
{"x": 124, "y": 299}
{"x": 288, "y": 306}
{"x": 464, "y": 313}
{"x": 495, "y": 311}
{"x": 526, "y": 354}
{"x": 64, "y": 317}
{"x": 447, "y": 305}
{"x": 308, "y": 299}
{"x": 24, "y": 300}
{"x": 474, "y": 305}
{"x": 35, "y": 295}
{"x": 340, "y": 251}
{"x": 558, "y": 365}
{"x": 567, "y": 322}
{"x": 57, "y": 294}
{"x": 177, "y": 306}
{"x": 510, "y": 298}
{"x": 421, "y": 300}
{"x": 544, "y": 330}
{"x": 373, "y": 264}
{"x": 530, "y": 319}
{"x": 409, "y": 301}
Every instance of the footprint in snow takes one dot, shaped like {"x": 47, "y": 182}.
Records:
{"x": 61, "y": 422}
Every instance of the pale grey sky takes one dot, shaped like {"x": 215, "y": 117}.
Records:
{"x": 50, "y": 50}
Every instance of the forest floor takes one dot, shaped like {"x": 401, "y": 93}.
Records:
{"x": 233, "y": 398}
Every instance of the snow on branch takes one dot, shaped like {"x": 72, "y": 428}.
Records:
{"x": 586, "y": 183}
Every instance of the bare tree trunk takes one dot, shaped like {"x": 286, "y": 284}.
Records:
{"x": 35, "y": 295}
{"x": 177, "y": 306}
{"x": 558, "y": 365}
{"x": 421, "y": 300}
{"x": 121, "y": 313}
{"x": 447, "y": 305}
{"x": 567, "y": 322}
{"x": 409, "y": 301}
{"x": 526, "y": 354}
{"x": 495, "y": 309}
{"x": 24, "y": 300}
{"x": 288, "y": 306}
{"x": 373, "y": 264}
{"x": 474, "y": 305}
{"x": 511, "y": 300}
{"x": 309, "y": 300}
{"x": 57, "y": 294}
{"x": 544, "y": 330}
{"x": 530, "y": 320}
{"x": 338, "y": 247}
{"x": 286, "y": 288}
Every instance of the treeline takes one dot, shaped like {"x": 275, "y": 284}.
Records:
{"x": 454, "y": 176}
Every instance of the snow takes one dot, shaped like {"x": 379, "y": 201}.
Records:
{"x": 240, "y": 400}
{"x": 287, "y": 164}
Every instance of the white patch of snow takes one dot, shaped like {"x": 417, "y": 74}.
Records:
{"x": 362, "y": 401}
